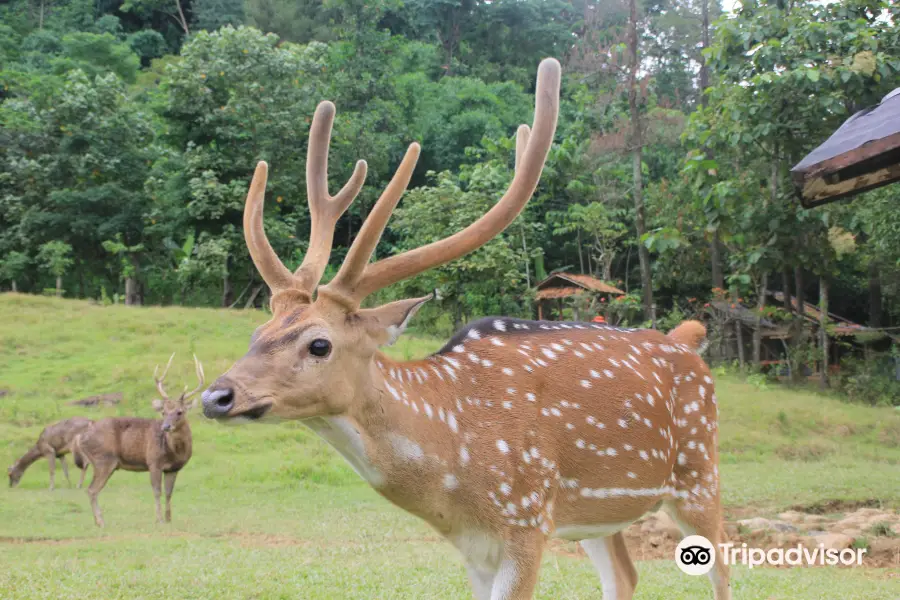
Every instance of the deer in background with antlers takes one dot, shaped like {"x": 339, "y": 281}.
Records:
{"x": 161, "y": 446}
{"x": 515, "y": 431}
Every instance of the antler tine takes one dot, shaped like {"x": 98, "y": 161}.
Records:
{"x": 325, "y": 210}
{"x": 522, "y": 135}
{"x": 159, "y": 380}
{"x": 529, "y": 164}
{"x": 198, "y": 367}
{"x": 273, "y": 271}
{"x": 361, "y": 250}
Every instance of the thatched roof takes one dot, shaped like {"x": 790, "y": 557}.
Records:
{"x": 863, "y": 154}
{"x": 563, "y": 285}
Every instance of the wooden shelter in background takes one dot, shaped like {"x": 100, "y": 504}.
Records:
{"x": 723, "y": 318}
{"x": 558, "y": 286}
{"x": 863, "y": 154}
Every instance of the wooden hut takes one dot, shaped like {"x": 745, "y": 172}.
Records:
{"x": 863, "y": 154}
{"x": 567, "y": 285}
{"x": 730, "y": 334}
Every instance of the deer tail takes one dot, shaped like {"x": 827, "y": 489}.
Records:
{"x": 692, "y": 334}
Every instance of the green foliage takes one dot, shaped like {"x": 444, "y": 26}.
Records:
{"x": 488, "y": 281}
{"x": 872, "y": 382}
{"x": 13, "y": 266}
{"x": 148, "y": 44}
{"x": 55, "y": 257}
{"x": 130, "y": 131}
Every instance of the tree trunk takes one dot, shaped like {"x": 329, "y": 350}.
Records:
{"x": 41, "y": 16}
{"x": 14, "y": 288}
{"x": 636, "y": 161}
{"x": 704, "y": 41}
{"x": 800, "y": 302}
{"x": 757, "y": 332}
{"x": 580, "y": 252}
{"x": 131, "y": 292}
{"x": 738, "y": 333}
{"x": 823, "y": 332}
{"x": 715, "y": 255}
{"x": 875, "y": 299}
{"x": 527, "y": 259}
{"x": 627, "y": 269}
{"x": 227, "y": 287}
{"x": 251, "y": 300}
{"x": 58, "y": 286}
{"x": 739, "y": 342}
{"x": 132, "y": 286}
{"x": 181, "y": 20}
{"x": 786, "y": 289}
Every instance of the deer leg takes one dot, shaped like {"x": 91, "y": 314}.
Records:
{"x": 50, "y": 454}
{"x": 62, "y": 460}
{"x": 517, "y": 576}
{"x": 482, "y": 582}
{"x": 102, "y": 473}
{"x": 705, "y": 518}
{"x": 618, "y": 576}
{"x": 156, "y": 482}
{"x": 83, "y": 473}
{"x": 170, "y": 486}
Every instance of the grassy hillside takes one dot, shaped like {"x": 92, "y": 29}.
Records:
{"x": 272, "y": 512}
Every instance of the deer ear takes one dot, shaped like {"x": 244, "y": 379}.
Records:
{"x": 189, "y": 407}
{"x": 387, "y": 323}
{"x": 158, "y": 405}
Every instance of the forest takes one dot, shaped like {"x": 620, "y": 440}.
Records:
{"x": 129, "y": 132}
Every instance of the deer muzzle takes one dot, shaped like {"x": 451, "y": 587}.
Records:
{"x": 224, "y": 401}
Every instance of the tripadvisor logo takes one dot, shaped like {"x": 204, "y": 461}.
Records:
{"x": 695, "y": 555}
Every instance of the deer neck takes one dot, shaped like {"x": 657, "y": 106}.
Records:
{"x": 27, "y": 459}
{"x": 394, "y": 434}
{"x": 178, "y": 441}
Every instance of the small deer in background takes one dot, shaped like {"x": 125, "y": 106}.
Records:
{"x": 516, "y": 431}
{"x": 161, "y": 446}
{"x": 54, "y": 442}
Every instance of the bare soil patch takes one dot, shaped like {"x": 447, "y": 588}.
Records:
{"x": 655, "y": 536}
{"x": 101, "y": 399}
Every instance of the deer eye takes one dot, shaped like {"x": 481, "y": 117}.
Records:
{"x": 319, "y": 347}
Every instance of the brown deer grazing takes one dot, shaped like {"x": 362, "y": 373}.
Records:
{"x": 54, "y": 442}
{"x": 161, "y": 446}
{"x": 516, "y": 431}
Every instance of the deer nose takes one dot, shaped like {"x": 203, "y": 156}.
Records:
{"x": 217, "y": 402}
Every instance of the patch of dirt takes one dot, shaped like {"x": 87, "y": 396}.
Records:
{"x": 834, "y": 506}
{"x": 655, "y": 536}
{"x": 104, "y": 399}
{"x": 4, "y": 393}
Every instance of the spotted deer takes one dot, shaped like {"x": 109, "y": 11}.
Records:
{"x": 161, "y": 446}
{"x": 515, "y": 431}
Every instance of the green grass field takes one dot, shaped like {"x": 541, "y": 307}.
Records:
{"x": 272, "y": 512}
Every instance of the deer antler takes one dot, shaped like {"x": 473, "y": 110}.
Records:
{"x": 356, "y": 279}
{"x": 159, "y": 380}
{"x": 198, "y": 366}
{"x": 325, "y": 210}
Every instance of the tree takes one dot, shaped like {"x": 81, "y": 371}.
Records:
{"x": 603, "y": 228}
{"x": 129, "y": 257}
{"x": 56, "y": 258}
{"x": 488, "y": 281}
{"x": 13, "y": 267}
